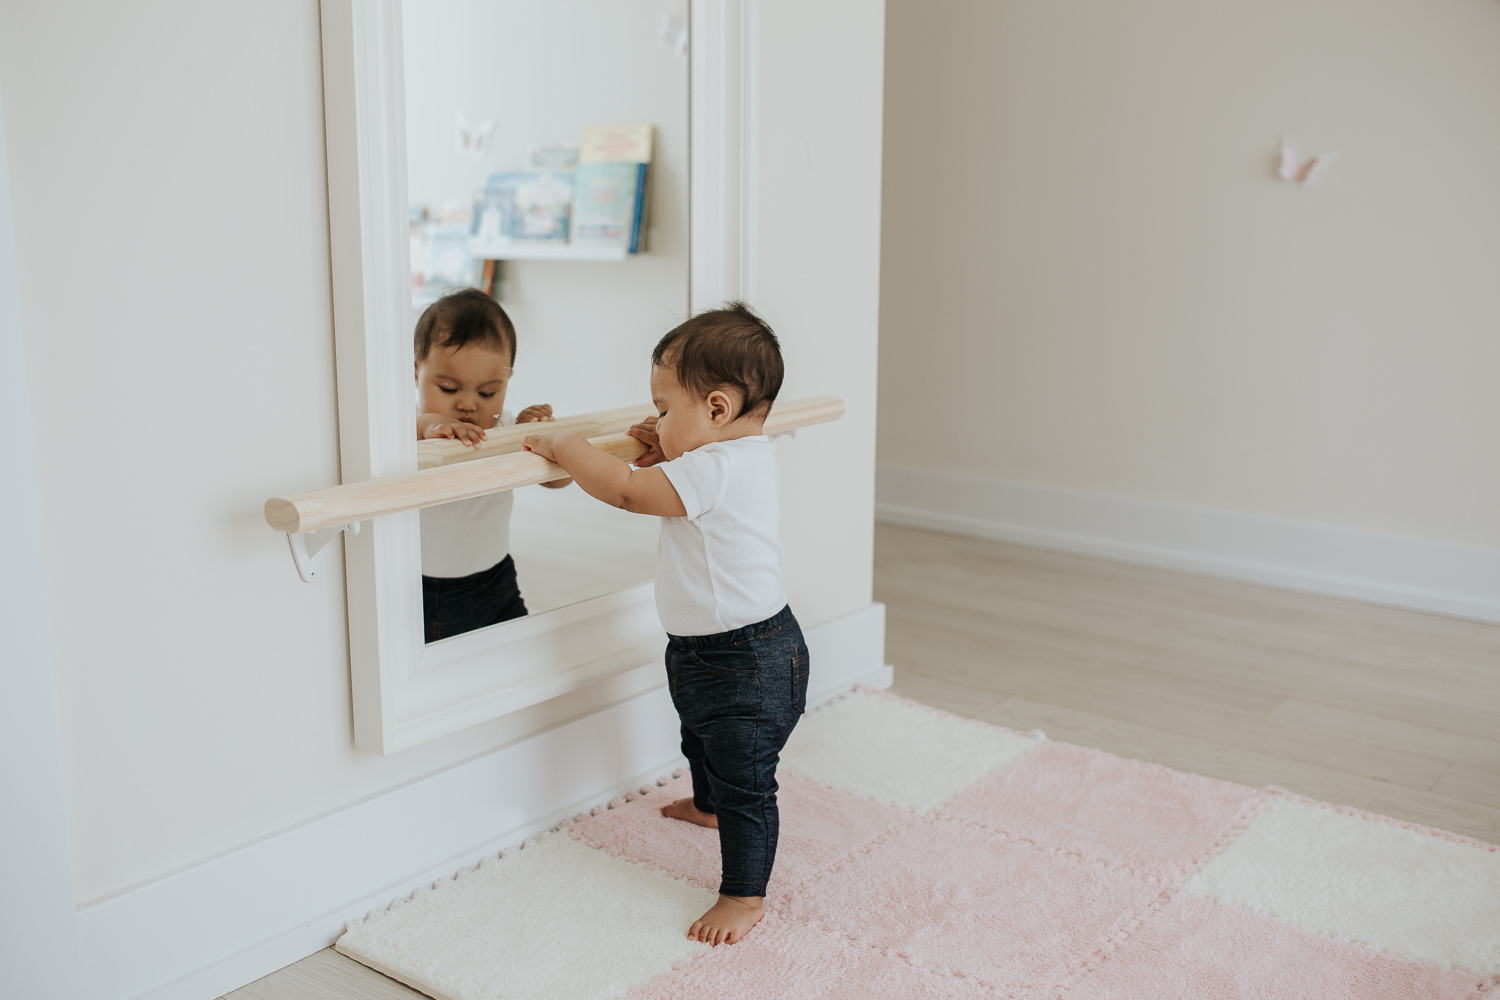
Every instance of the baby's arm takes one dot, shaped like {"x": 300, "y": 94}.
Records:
{"x": 604, "y": 477}
{"x": 534, "y": 414}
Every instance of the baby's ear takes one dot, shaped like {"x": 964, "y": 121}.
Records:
{"x": 720, "y": 406}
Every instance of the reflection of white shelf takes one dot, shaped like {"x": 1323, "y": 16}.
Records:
{"x": 543, "y": 250}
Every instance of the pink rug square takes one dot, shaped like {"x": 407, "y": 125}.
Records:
{"x": 1012, "y": 915}
{"x": 1158, "y": 821}
{"x": 1196, "y": 948}
{"x": 819, "y": 825}
{"x": 790, "y": 961}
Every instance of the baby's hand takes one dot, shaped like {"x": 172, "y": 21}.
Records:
{"x": 539, "y": 445}
{"x": 645, "y": 432}
{"x": 532, "y": 414}
{"x": 469, "y": 434}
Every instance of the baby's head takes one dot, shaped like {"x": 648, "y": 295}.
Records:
{"x": 714, "y": 378}
{"x": 465, "y": 348}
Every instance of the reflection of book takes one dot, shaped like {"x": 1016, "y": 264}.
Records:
{"x": 448, "y": 261}
{"x": 524, "y": 205}
{"x": 608, "y": 206}
{"x": 617, "y": 144}
{"x": 552, "y": 156}
{"x": 613, "y": 185}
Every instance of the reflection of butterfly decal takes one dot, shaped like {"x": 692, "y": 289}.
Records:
{"x": 673, "y": 28}
{"x": 474, "y": 140}
{"x": 1304, "y": 172}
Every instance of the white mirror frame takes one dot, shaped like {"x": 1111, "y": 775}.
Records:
{"x": 406, "y": 692}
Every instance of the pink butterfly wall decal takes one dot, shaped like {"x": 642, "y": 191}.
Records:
{"x": 1304, "y": 172}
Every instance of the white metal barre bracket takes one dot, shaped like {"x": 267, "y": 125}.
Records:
{"x": 308, "y": 544}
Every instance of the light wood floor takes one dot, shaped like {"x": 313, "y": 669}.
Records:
{"x": 1388, "y": 710}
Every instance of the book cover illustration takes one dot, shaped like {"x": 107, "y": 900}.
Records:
{"x": 524, "y": 205}
{"x": 606, "y": 197}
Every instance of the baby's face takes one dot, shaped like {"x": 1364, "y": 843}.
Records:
{"x": 467, "y": 384}
{"x": 685, "y": 421}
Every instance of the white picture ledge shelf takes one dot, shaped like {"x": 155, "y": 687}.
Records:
{"x": 542, "y": 250}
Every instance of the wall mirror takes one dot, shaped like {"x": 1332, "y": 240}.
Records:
{"x": 527, "y": 122}
{"x": 425, "y": 102}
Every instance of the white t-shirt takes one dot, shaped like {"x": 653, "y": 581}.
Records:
{"x": 467, "y": 536}
{"x": 719, "y": 568}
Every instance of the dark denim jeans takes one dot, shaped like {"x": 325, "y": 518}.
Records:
{"x": 459, "y": 604}
{"x": 739, "y": 695}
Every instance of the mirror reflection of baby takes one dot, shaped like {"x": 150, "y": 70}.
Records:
{"x": 736, "y": 659}
{"x": 465, "y": 350}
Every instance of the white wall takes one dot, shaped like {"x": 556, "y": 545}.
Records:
{"x": 180, "y": 369}
{"x": 543, "y": 72}
{"x": 38, "y": 924}
{"x": 1093, "y": 282}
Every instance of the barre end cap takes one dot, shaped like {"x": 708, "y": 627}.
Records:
{"x": 283, "y": 515}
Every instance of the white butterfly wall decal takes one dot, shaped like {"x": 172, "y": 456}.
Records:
{"x": 474, "y": 140}
{"x": 1304, "y": 172}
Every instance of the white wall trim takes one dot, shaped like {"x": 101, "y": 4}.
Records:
{"x": 1321, "y": 558}
{"x": 214, "y": 926}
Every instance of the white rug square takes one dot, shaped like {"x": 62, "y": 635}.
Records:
{"x": 1368, "y": 881}
{"x": 553, "y": 919}
{"x": 896, "y": 752}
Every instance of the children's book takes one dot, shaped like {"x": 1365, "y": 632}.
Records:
{"x": 612, "y": 186}
{"x": 524, "y": 205}
{"x": 617, "y": 144}
{"x": 607, "y": 208}
{"x": 552, "y": 156}
{"x": 448, "y": 262}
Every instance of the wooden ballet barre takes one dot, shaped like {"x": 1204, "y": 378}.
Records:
{"x": 351, "y": 503}
{"x": 507, "y": 440}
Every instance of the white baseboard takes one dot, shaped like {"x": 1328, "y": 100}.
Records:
{"x": 215, "y": 926}
{"x": 1343, "y": 562}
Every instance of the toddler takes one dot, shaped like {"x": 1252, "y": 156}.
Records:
{"x": 465, "y": 349}
{"x": 736, "y": 659}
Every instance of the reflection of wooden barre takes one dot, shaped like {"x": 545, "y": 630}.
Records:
{"x": 339, "y": 505}
{"x": 506, "y": 440}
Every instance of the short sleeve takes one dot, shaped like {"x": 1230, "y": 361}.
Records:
{"x": 700, "y": 478}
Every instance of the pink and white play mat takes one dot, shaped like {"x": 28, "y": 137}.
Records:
{"x": 926, "y": 855}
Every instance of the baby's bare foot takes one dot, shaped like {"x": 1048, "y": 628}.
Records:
{"x": 728, "y": 920}
{"x": 684, "y": 809}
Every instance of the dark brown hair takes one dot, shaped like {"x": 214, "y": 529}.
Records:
{"x": 464, "y": 316}
{"x": 726, "y": 348}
